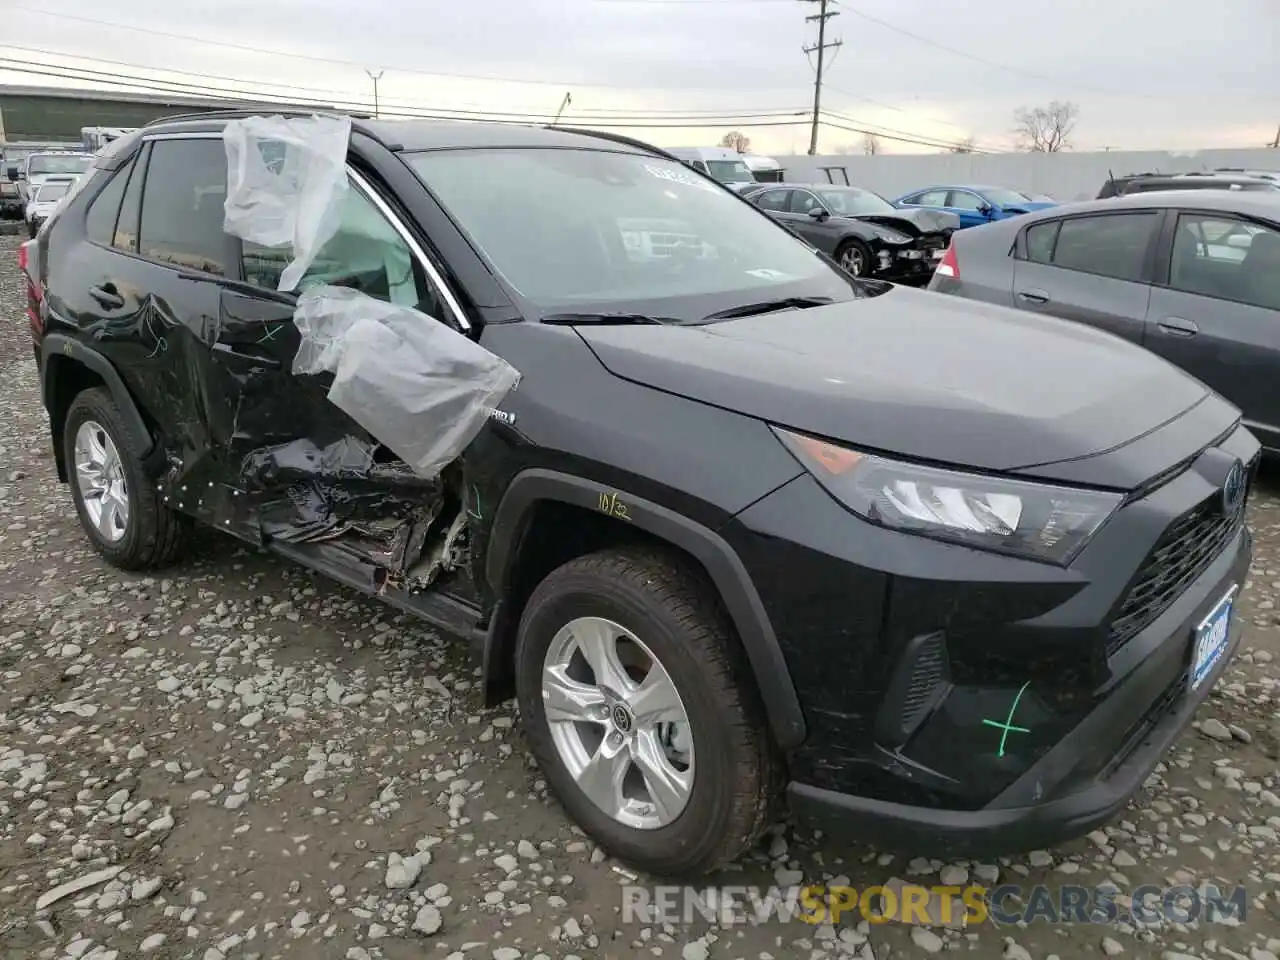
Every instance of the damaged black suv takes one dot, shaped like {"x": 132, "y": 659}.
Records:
{"x": 728, "y": 522}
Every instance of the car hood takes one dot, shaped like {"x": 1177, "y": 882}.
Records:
{"x": 913, "y": 220}
{"x": 916, "y": 374}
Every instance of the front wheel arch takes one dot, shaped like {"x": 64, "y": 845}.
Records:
{"x": 853, "y": 244}
{"x": 512, "y": 555}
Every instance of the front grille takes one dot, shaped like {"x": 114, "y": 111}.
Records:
{"x": 1177, "y": 559}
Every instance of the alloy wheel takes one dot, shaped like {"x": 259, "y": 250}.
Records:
{"x": 618, "y": 723}
{"x": 852, "y": 261}
{"x": 100, "y": 477}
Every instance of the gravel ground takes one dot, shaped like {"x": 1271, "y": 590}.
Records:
{"x": 267, "y": 765}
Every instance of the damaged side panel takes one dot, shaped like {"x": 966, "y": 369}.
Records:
{"x": 340, "y": 418}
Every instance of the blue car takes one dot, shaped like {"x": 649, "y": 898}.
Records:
{"x": 973, "y": 204}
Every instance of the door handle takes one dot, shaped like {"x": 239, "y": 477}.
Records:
{"x": 1178, "y": 327}
{"x": 1033, "y": 296}
{"x": 106, "y": 295}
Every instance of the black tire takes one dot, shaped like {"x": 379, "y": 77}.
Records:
{"x": 154, "y": 534}
{"x": 861, "y": 249}
{"x": 677, "y": 614}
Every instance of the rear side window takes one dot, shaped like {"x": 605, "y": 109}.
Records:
{"x": 1040, "y": 239}
{"x": 932, "y": 198}
{"x": 126, "y": 232}
{"x": 1109, "y": 245}
{"x": 100, "y": 219}
{"x": 776, "y": 200}
{"x": 182, "y": 205}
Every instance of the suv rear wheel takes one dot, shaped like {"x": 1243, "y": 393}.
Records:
{"x": 123, "y": 514}
{"x": 641, "y": 713}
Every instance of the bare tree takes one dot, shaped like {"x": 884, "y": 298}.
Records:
{"x": 963, "y": 146}
{"x": 736, "y": 140}
{"x": 870, "y": 145}
{"x": 1046, "y": 129}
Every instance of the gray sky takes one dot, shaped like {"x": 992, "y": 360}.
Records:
{"x": 1173, "y": 75}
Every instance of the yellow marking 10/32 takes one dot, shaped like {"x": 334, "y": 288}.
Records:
{"x": 610, "y": 505}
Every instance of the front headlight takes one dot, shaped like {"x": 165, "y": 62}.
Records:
{"x": 1017, "y": 517}
{"x": 890, "y": 236}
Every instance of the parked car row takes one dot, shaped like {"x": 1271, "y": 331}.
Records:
{"x": 863, "y": 232}
{"x": 1192, "y": 275}
{"x": 751, "y": 528}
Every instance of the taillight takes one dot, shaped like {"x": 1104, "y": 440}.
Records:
{"x": 949, "y": 266}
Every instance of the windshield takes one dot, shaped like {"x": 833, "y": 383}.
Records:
{"x": 40, "y": 166}
{"x": 1001, "y": 197}
{"x": 593, "y": 229}
{"x": 53, "y": 190}
{"x": 855, "y": 202}
{"x": 730, "y": 171}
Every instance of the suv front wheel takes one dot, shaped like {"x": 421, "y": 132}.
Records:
{"x": 123, "y": 514}
{"x": 640, "y": 710}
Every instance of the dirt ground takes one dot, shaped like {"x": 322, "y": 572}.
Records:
{"x": 268, "y": 765}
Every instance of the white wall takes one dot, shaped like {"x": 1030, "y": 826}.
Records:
{"x": 1064, "y": 176}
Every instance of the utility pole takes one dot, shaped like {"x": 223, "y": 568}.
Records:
{"x": 821, "y": 47}
{"x": 563, "y": 103}
{"x": 1275, "y": 144}
{"x": 375, "y": 77}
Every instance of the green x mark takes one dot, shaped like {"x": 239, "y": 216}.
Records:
{"x": 1007, "y": 727}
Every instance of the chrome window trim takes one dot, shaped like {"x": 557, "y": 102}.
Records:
{"x": 367, "y": 190}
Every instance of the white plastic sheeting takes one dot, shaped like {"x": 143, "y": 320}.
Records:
{"x": 286, "y": 184}
{"x": 423, "y": 389}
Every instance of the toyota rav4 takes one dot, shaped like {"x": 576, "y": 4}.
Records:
{"x": 730, "y": 524}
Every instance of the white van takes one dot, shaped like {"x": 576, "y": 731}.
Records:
{"x": 763, "y": 169}
{"x": 723, "y": 164}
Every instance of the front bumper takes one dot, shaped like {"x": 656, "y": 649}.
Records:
{"x": 1053, "y": 801}
{"x": 906, "y": 652}
{"x": 910, "y": 265}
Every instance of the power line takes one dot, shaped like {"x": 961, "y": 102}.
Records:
{"x": 1016, "y": 71}
{"x": 918, "y": 141}
{"x": 918, "y": 137}
{"x": 821, "y": 47}
{"x": 191, "y": 90}
{"x": 329, "y": 93}
{"x": 311, "y": 58}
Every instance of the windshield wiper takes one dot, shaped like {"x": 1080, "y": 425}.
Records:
{"x": 604, "y": 319}
{"x": 767, "y": 306}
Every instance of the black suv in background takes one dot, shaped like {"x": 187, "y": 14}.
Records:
{"x": 955, "y": 575}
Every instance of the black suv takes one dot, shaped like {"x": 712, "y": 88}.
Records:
{"x": 950, "y": 576}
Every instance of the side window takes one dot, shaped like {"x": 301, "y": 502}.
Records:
{"x": 1109, "y": 245}
{"x": 126, "y": 232}
{"x": 776, "y": 200}
{"x": 181, "y": 219}
{"x": 964, "y": 200}
{"x": 100, "y": 218}
{"x": 1040, "y": 240}
{"x": 802, "y": 201}
{"x": 366, "y": 254}
{"x": 1226, "y": 258}
{"x": 931, "y": 198}
{"x": 699, "y": 165}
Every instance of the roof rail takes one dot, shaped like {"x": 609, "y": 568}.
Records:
{"x": 231, "y": 113}
{"x": 616, "y": 138}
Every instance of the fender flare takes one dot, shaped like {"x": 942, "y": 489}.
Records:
{"x": 726, "y": 570}
{"x": 57, "y": 344}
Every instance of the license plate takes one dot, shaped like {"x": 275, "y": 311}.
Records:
{"x": 1211, "y": 638}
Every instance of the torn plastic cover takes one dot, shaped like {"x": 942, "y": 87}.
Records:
{"x": 286, "y": 184}
{"x": 421, "y": 388}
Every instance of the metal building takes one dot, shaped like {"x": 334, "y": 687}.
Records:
{"x": 57, "y": 114}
